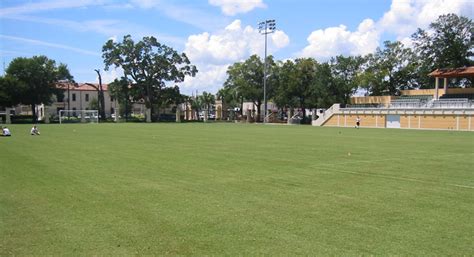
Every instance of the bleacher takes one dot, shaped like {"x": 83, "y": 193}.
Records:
{"x": 406, "y": 103}
{"x": 453, "y": 96}
{"x": 451, "y": 103}
{"x": 364, "y": 106}
{"x": 425, "y": 98}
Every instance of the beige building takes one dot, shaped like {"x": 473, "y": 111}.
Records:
{"x": 76, "y": 97}
{"x": 440, "y": 108}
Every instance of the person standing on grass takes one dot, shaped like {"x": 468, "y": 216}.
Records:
{"x": 34, "y": 131}
{"x": 357, "y": 122}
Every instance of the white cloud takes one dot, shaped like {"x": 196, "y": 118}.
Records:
{"x": 209, "y": 78}
{"x": 233, "y": 7}
{"x": 280, "y": 39}
{"x": 109, "y": 28}
{"x": 110, "y": 75}
{"x": 182, "y": 13}
{"x": 402, "y": 20}
{"x": 405, "y": 16}
{"x": 47, "y": 44}
{"x": 324, "y": 44}
{"x": 213, "y": 53}
{"x": 232, "y": 44}
{"x": 145, "y": 3}
{"x": 47, "y": 5}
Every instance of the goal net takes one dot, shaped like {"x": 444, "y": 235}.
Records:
{"x": 78, "y": 116}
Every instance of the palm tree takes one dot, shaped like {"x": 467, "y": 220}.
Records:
{"x": 207, "y": 100}
{"x": 196, "y": 104}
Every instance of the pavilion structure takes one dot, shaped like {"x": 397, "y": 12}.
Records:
{"x": 465, "y": 72}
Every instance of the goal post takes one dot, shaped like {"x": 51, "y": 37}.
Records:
{"x": 78, "y": 116}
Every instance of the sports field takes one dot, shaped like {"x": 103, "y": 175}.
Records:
{"x": 235, "y": 190}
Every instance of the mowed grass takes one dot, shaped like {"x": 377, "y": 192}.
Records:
{"x": 235, "y": 190}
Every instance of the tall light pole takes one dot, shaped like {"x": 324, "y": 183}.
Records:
{"x": 265, "y": 28}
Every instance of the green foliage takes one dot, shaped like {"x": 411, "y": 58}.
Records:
{"x": 304, "y": 83}
{"x": 94, "y": 104}
{"x": 170, "y": 96}
{"x": 448, "y": 43}
{"x": 10, "y": 91}
{"x": 235, "y": 190}
{"x": 344, "y": 72}
{"x": 38, "y": 76}
{"x": 229, "y": 95}
{"x": 207, "y": 100}
{"x": 325, "y": 92}
{"x": 295, "y": 84}
{"x": 389, "y": 70}
{"x": 246, "y": 80}
{"x": 120, "y": 89}
{"x": 148, "y": 64}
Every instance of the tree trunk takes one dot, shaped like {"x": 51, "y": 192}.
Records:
{"x": 148, "y": 115}
{"x": 241, "y": 106}
{"x": 101, "y": 97}
{"x": 148, "y": 106}
{"x": 33, "y": 111}
{"x": 259, "y": 111}
{"x": 303, "y": 108}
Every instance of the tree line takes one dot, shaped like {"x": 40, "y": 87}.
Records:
{"x": 152, "y": 72}
{"x": 306, "y": 83}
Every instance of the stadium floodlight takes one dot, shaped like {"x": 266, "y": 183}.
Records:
{"x": 74, "y": 116}
{"x": 266, "y": 27}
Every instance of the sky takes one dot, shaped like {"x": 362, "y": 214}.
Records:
{"x": 213, "y": 33}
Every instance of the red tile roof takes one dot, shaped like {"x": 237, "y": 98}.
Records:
{"x": 82, "y": 86}
{"x": 453, "y": 73}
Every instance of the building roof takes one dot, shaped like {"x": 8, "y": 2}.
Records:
{"x": 82, "y": 86}
{"x": 464, "y": 72}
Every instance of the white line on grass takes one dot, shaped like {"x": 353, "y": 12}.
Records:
{"x": 331, "y": 167}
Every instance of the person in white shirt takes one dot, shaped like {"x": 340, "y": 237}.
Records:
{"x": 35, "y": 131}
{"x": 6, "y": 132}
{"x": 357, "y": 122}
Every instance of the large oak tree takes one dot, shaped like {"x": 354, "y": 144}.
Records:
{"x": 447, "y": 43}
{"x": 38, "y": 77}
{"x": 149, "y": 65}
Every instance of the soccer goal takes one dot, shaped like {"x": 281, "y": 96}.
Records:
{"x": 78, "y": 116}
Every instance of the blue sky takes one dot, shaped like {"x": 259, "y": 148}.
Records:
{"x": 213, "y": 33}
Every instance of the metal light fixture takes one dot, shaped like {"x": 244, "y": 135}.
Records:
{"x": 265, "y": 28}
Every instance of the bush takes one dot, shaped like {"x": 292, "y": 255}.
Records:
{"x": 22, "y": 119}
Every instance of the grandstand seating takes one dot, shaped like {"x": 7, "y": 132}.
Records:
{"x": 406, "y": 103}
{"x": 451, "y": 103}
{"x": 421, "y": 97}
{"x": 364, "y": 105}
{"x": 451, "y": 96}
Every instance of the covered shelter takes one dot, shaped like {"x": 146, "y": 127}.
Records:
{"x": 464, "y": 72}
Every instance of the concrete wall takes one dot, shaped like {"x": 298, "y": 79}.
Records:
{"x": 460, "y": 91}
{"x": 371, "y": 99}
{"x": 407, "y": 121}
{"x": 349, "y": 120}
{"x": 422, "y": 92}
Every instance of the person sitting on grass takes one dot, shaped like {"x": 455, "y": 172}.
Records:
{"x": 35, "y": 131}
{"x": 6, "y": 132}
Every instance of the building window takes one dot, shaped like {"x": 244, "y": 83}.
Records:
{"x": 87, "y": 97}
{"x": 73, "y": 111}
{"x": 112, "y": 110}
{"x": 73, "y": 97}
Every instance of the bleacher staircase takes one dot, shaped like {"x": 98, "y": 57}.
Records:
{"x": 326, "y": 115}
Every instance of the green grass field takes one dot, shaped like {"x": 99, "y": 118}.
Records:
{"x": 235, "y": 190}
